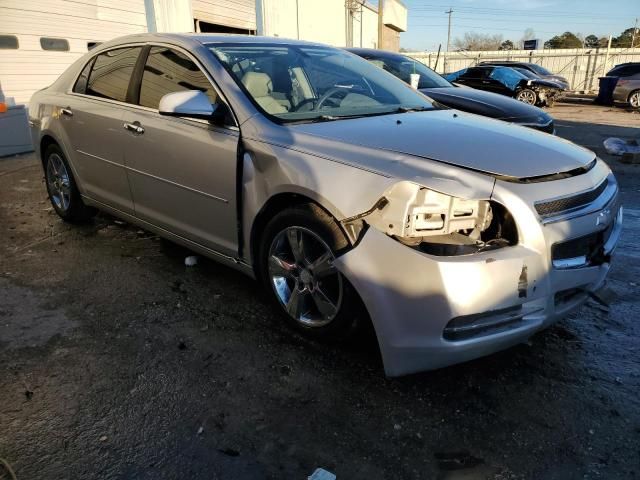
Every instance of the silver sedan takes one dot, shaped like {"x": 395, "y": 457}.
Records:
{"x": 351, "y": 197}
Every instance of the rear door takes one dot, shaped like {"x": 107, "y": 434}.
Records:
{"x": 182, "y": 171}
{"x": 92, "y": 120}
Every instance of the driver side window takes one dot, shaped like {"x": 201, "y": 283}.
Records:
{"x": 168, "y": 71}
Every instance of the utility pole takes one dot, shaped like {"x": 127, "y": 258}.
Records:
{"x": 635, "y": 30}
{"x": 380, "y": 24}
{"x": 449, "y": 12}
{"x": 446, "y": 55}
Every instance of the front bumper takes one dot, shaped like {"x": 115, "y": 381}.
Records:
{"x": 430, "y": 312}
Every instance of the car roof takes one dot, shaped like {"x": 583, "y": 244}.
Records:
{"x": 187, "y": 39}
{"x": 375, "y": 53}
{"x": 503, "y": 62}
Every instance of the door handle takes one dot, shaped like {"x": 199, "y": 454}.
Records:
{"x": 67, "y": 112}
{"x": 134, "y": 127}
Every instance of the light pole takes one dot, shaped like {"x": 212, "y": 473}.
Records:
{"x": 444, "y": 63}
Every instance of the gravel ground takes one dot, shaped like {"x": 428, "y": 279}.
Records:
{"x": 117, "y": 361}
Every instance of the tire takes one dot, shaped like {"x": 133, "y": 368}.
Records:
{"x": 634, "y": 99}
{"x": 62, "y": 189}
{"x": 527, "y": 96}
{"x": 312, "y": 296}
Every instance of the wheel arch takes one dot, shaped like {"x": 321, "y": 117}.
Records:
{"x": 45, "y": 141}
{"x": 275, "y": 204}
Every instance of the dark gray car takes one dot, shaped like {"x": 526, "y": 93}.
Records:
{"x": 469, "y": 100}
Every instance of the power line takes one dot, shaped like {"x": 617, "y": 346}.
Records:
{"x": 511, "y": 21}
{"x": 506, "y": 10}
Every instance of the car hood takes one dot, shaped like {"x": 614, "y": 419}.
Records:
{"x": 488, "y": 104}
{"x": 557, "y": 78}
{"x": 451, "y": 137}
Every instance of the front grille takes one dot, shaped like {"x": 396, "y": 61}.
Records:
{"x": 569, "y": 203}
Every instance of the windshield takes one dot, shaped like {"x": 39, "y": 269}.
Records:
{"x": 402, "y": 67}
{"x": 308, "y": 83}
{"x": 526, "y": 73}
{"x": 540, "y": 70}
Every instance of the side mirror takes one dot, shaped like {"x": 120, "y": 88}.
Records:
{"x": 193, "y": 104}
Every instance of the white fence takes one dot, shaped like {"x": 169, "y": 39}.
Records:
{"x": 581, "y": 67}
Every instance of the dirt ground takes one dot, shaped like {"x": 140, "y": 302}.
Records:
{"x": 117, "y": 361}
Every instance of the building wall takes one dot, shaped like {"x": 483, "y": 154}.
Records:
{"x": 367, "y": 18}
{"x": 30, "y": 68}
{"x": 317, "y": 21}
{"x": 232, "y": 13}
{"x": 169, "y": 16}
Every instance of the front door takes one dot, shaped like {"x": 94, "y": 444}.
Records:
{"x": 182, "y": 171}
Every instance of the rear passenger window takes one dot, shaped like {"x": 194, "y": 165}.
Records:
{"x": 168, "y": 71}
{"x": 81, "y": 83}
{"x": 111, "y": 73}
{"x": 57, "y": 44}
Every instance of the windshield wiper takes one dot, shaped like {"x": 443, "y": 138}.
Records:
{"x": 411, "y": 109}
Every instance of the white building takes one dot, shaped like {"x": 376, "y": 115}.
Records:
{"x": 39, "y": 39}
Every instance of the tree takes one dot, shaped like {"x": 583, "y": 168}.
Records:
{"x": 478, "y": 41}
{"x": 507, "y": 45}
{"x": 591, "y": 41}
{"x": 624, "y": 39}
{"x": 566, "y": 40}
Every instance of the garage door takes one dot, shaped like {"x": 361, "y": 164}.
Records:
{"x": 239, "y": 14}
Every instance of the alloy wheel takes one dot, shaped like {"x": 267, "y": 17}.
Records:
{"x": 527, "y": 96}
{"x": 59, "y": 182}
{"x": 303, "y": 277}
{"x": 634, "y": 100}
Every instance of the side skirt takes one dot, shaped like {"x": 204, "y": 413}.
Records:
{"x": 232, "y": 262}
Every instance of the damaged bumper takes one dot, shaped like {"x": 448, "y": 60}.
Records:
{"x": 432, "y": 311}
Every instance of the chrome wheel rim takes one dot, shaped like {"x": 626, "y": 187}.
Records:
{"x": 635, "y": 100}
{"x": 301, "y": 272}
{"x": 59, "y": 183}
{"x": 527, "y": 96}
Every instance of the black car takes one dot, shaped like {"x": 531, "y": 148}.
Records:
{"x": 521, "y": 85}
{"x": 539, "y": 70}
{"x": 625, "y": 70}
{"x": 460, "y": 98}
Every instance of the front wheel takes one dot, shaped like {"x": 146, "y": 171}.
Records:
{"x": 62, "y": 189}
{"x": 634, "y": 99}
{"x": 296, "y": 267}
{"x": 527, "y": 96}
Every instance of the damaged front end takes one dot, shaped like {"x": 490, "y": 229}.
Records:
{"x": 436, "y": 223}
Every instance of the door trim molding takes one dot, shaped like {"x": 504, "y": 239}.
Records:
{"x": 175, "y": 184}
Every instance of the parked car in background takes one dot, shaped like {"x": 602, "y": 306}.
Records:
{"x": 627, "y": 90}
{"x": 348, "y": 195}
{"x": 627, "y": 87}
{"x": 509, "y": 81}
{"x": 629, "y": 69}
{"x": 532, "y": 67}
{"x": 466, "y": 99}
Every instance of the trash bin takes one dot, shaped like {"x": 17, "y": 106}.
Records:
{"x": 605, "y": 91}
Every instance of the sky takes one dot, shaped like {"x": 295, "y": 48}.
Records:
{"x": 427, "y": 23}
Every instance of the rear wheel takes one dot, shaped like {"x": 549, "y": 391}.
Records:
{"x": 634, "y": 99}
{"x": 296, "y": 267}
{"x": 62, "y": 189}
{"x": 527, "y": 96}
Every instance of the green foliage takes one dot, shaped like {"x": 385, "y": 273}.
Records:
{"x": 507, "y": 45}
{"x": 566, "y": 40}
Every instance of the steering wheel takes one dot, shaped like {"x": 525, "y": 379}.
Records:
{"x": 327, "y": 95}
